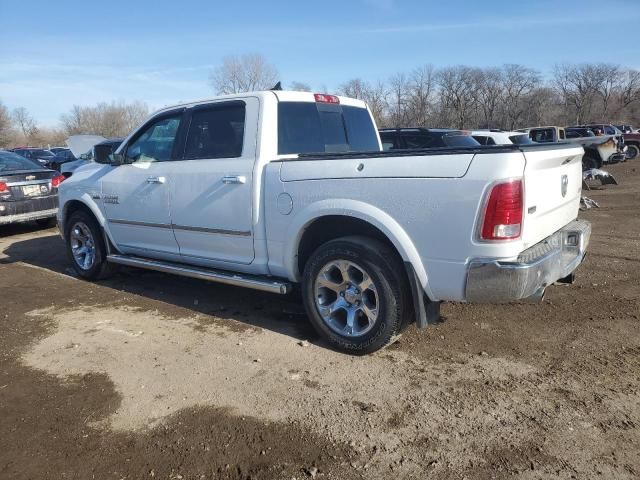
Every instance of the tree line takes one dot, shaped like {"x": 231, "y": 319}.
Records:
{"x": 110, "y": 120}
{"x": 508, "y": 97}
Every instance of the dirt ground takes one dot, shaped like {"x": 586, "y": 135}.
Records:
{"x": 153, "y": 376}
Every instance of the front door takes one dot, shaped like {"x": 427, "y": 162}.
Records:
{"x": 136, "y": 194}
{"x": 211, "y": 191}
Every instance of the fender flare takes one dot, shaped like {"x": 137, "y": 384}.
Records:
{"x": 362, "y": 211}
{"x": 88, "y": 202}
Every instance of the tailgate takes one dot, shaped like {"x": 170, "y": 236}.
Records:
{"x": 552, "y": 188}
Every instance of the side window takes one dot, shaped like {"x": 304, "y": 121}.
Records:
{"x": 490, "y": 141}
{"x": 609, "y": 130}
{"x": 387, "y": 142}
{"x": 562, "y": 134}
{"x": 216, "y": 132}
{"x": 155, "y": 143}
{"x": 481, "y": 139}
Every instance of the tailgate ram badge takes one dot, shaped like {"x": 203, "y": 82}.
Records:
{"x": 30, "y": 177}
{"x": 564, "y": 185}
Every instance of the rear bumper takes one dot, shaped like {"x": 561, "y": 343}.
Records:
{"x": 27, "y": 210}
{"x": 27, "y": 217}
{"x": 556, "y": 257}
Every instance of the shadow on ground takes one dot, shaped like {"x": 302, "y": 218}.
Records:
{"x": 181, "y": 296}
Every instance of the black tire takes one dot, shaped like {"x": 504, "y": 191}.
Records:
{"x": 100, "y": 268}
{"x": 46, "y": 222}
{"x": 392, "y": 301}
{"x": 632, "y": 152}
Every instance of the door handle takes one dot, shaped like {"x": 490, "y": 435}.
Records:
{"x": 230, "y": 179}
{"x": 156, "y": 179}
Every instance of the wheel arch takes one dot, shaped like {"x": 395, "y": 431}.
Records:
{"x": 86, "y": 203}
{"x": 336, "y": 219}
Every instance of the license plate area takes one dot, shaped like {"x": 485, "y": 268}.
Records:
{"x": 35, "y": 190}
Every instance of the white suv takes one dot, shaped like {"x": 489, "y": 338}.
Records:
{"x": 501, "y": 137}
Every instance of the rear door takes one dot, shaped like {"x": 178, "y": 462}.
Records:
{"x": 211, "y": 191}
{"x": 552, "y": 186}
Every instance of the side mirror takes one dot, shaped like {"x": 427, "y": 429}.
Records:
{"x": 116, "y": 159}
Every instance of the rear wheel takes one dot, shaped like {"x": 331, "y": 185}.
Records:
{"x": 355, "y": 293}
{"x": 86, "y": 247}
{"x": 632, "y": 152}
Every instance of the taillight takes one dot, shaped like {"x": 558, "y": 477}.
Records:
{"x": 57, "y": 180}
{"x": 503, "y": 212}
{"x": 323, "y": 98}
{"x": 3, "y": 187}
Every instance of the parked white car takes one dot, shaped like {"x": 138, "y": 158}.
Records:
{"x": 501, "y": 137}
{"x": 278, "y": 190}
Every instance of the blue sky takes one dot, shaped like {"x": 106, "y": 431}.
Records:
{"x": 54, "y": 54}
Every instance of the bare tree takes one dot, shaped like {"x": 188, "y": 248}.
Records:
{"x": 458, "y": 94}
{"x": 422, "y": 84}
{"x": 245, "y": 73}
{"x": 300, "y": 87}
{"x": 25, "y": 122}
{"x": 608, "y": 85}
{"x": 375, "y": 96}
{"x": 578, "y": 85}
{"x": 107, "y": 119}
{"x": 354, "y": 88}
{"x": 6, "y": 127}
{"x": 518, "y": 84}
{"x": 490, "y": 95}
{"x": 630, "y": 88}
{"x": 398, "y": 100}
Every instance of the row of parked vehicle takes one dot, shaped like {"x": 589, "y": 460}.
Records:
{"x": 30, "y": 176}
{"x": 602, "y": 143}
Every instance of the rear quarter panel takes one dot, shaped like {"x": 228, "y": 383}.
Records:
{"x": 428, "y": 210}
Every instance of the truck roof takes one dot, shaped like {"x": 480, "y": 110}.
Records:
{"x": 280, "y": 95}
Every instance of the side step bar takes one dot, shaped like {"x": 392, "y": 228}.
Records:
{"x": 264, "y": 284}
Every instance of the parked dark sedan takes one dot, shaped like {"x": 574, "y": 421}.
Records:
{"x": 40, "y": 155}
{"x": 416, "y": 138}
{"x": 28, "y": 191}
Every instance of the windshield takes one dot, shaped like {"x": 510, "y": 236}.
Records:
{"x": 10, "y": 161}
{"x": 521, "y": 139}
{"x": 306, "y": 127}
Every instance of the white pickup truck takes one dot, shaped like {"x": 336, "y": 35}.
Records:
{"x": 274, "y": 190}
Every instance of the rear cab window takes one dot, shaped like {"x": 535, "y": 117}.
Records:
{"x": 314, "y": 127}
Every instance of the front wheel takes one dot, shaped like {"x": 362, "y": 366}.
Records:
{"x": 86, "y": 247}
{"x": 355, "y": 293}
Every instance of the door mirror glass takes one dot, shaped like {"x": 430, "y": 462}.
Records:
{"x": 117, "y": 159}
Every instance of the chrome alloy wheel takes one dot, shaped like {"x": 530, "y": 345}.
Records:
{"x": 346, "y": 298}
{"x": 83, "y": 247}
